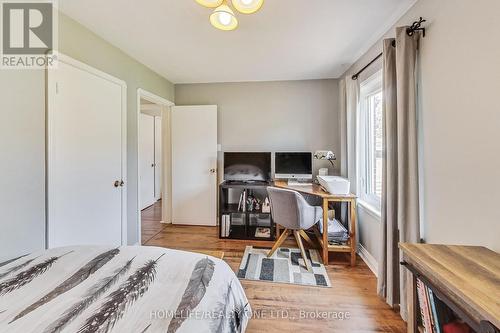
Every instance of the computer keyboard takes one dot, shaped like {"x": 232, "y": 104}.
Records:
{"x": 299, "y": 182}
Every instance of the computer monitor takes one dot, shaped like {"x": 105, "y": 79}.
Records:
{"x": 293, "y": 165}
{"x": 247, "y": 167}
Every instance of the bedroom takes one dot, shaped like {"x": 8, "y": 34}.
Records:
{"x": 163, "y": 72}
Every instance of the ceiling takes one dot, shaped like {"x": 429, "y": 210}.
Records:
{"x": 285, "y": 40}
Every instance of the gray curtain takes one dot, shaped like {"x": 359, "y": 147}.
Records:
{"x": 343, "y": 127}
{"x": 400, "y": 201}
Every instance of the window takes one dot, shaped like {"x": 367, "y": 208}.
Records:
{"x": 370, "y": 141}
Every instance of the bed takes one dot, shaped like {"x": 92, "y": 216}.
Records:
{"x": 126, "y": 289}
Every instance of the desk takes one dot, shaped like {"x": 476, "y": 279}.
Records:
{"x": 317, "y": 190}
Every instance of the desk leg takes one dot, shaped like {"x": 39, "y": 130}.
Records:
{"x": 325, "y": 232}
{"x": 352, "y": 223}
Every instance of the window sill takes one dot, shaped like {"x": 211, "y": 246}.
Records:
{"x": 370, "y": 209}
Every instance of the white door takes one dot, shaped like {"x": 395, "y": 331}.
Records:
{"x": 158, "y": 158}
{"x": 147, "y": 159}
{"x": 194, "y": 164}
{"x": 85, "y": 152}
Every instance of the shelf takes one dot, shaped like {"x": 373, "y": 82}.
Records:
{"x": 248, "y": 221}
{"x": 251, "y": 234}
{"x": 236, "y": 232}
{"x": 339, "y": 248}
{"x": 245, "y": 185}
{"x": 233, "y": 208}
{"x": 248, "y": 233}
{"x": 230, "y": 208}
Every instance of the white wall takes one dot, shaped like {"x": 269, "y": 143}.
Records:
{"x": 460, "y": 117}
{"x": 22, "y": 162}
{"x": 271, "y": 116}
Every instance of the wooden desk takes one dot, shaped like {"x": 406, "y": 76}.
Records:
{"x": 465, "y": 278}
{"x": 327, "y": 198}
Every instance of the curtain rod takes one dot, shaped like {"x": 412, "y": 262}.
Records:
{"x": 416, "y": 26}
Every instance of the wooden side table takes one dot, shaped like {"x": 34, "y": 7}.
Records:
{"x": 464, "y": 278}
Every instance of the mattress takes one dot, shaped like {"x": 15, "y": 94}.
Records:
{"x": 125, "y": 289}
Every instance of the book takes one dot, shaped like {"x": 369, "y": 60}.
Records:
{"x": 244, "y": 201}
{"x": 228, "y": 225}
{"x": 435, "y": 318}
{"x": 424, "y": 307}
{"x": 263, "y": 232}
{"x": 223, "y": 226}
{"x": 241, "y": 200}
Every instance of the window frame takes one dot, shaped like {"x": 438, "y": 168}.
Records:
{"x": 368, "y": 88}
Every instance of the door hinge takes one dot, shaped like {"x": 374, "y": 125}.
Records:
{"x": 57, "y": 87}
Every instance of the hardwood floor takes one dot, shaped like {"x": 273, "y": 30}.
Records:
{"x": 283, "y": 307}
{"x": 150, "y": 219}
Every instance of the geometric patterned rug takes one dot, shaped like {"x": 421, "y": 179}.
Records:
{"x": 285, "y": 266}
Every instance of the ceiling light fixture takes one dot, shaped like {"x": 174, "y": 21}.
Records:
{"x": 247, "y": 6}
{"x": 223, "y": 17}
{"x": 210, "y": 3}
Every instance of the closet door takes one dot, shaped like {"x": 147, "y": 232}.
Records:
{"x": 85, "y": 156}
{"x": 147, "y": 159}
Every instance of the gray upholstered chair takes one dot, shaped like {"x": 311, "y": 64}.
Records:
{"x": 291, "y": 211}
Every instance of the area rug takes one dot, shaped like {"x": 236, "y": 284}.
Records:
{"x": 285, "y": 266}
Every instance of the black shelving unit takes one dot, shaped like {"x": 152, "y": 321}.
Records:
{"x": 243, "y": 224}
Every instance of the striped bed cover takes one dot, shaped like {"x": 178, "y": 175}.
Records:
{"x": 126, "y": 289}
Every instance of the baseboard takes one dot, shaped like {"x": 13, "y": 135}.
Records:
{"x": 368, "y": 259}
{"x": 165, "y": 222}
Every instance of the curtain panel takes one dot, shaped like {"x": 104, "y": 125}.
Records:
{"x": 351, "y": 118}
{"x": 400, "y": 198}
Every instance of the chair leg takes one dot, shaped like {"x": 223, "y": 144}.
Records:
{"x": 307, "y": 238}
{"x": 302, "y": 250}
{"x": 280, "y": 241}
{"x": 318, "y": 236}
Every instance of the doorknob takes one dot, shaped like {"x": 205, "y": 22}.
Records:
{"x": 118, "y": 183}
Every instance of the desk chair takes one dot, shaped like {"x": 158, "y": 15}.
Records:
{"x": 290, "y": 210}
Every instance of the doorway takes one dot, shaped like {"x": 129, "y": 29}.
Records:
{"x": 153, "y": 161}
{"x": 150, "y": 156}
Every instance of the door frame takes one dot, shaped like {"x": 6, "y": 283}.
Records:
{"x": 50, "y": 96}
{"x": 166, "y": 203}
